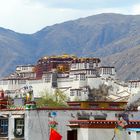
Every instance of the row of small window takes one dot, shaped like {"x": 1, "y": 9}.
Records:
{"x": 18, "y": 131}
{"x": 82, "y": 77}
{"x": 22, "y": 81}
{"x": 90, "y": 66}
{"x": 23, "y": 68}
{"x": 32, "y": 75}
{"x": 91, "y": 72}
{"x": 4, "y": 83}
{"x": 47, "y": 79}
{"x": 135, "y": 85}
{"x": 107, "y": 71}
{"x": 76, "y": 93}
{"x": 86, "y": 65}
{"x": 17, "y": 82}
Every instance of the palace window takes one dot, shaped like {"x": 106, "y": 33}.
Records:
{"x": 90, "y": 65}
{"x": 19, "y": 127}
{"x": 78, "y": 93}
{"x": 24, "y": 68}
{"x": 85, "y": 64}
{"x": 73, "y": 66}
{"x": 48, "y": 78}
{"x": 82, "y": 77}
{"x": 3, "y": 127}
{"x": 71, "y": 93}
{"x": 76, "y": 77}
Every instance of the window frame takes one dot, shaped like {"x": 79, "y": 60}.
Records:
{"x": 4, "y": 127}
{"x": 19, "y": 124}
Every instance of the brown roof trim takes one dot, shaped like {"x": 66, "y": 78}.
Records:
{"x": 67, "y": 108}
{"x": 108, "y": 124}
{"x": 95, "y": 102}
{"x": 73, "y": 108}
{"x": 130, "y": 81}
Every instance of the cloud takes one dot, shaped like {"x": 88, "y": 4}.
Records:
{"x": 86, "y": 4}
{"x": 28, "y": 16}
{"x": 136, "y": 9}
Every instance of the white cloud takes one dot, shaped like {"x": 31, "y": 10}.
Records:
{"x": 28, "y": 16}
{"x": 85, "y": 4}
{"x": 25, "y": 16}
{"x": 22, "y": 15}
{"x": 136, "y": 9}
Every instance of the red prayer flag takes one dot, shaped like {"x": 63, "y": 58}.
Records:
{"x": 54, "y": 135}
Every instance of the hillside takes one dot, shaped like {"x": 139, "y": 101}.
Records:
{"x": 113, "y": 37}
{"x": 15, "y": 49}
{"x": 126, "y": 62}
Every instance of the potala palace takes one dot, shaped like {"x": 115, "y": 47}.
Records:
{"x": 71, "y": 75}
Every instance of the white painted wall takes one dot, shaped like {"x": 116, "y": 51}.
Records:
{"x": 94, "y": 82}
{"x": 83, "y": 134}
{"x": 138, "y": 135}
{"x": 132, "y": 136}
{"x": 37, "y": 125}
{"x": 106, "y": 134}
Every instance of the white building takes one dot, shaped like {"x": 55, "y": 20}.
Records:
{"x": 73, "y": 76}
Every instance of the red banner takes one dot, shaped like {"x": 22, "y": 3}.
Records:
{"x": 54, "y": 135}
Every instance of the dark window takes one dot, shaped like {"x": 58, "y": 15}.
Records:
{"x": 19, "y": 127}
{"x": 71, "y": 93}
{"x": 100, "y": 117}
{"x": 90, "y": 65}
{"x": 72, "y": 135}
{"x": 85, "y": 65}
{"x": 78, "y": 93}
{"x": 3, "y": 127}
{"x": 48, "y": 79}
{"x": 82, "y": 77}
{"x": 76, "y": 77}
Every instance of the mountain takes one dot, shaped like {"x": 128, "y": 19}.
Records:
{"x": 113, "y": 37}
{"x": 100, "y": 35}
{"x": 126, "y": 63}
{"x": 15, "y": 49}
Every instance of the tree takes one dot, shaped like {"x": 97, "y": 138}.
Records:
{"x": 99, "y": 94}
{"x": 58, "y": 99}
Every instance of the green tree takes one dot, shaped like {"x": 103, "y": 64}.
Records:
{"x": 57, "y": 99}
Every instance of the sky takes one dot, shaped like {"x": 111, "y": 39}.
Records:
{"x": 29, "y": 16}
